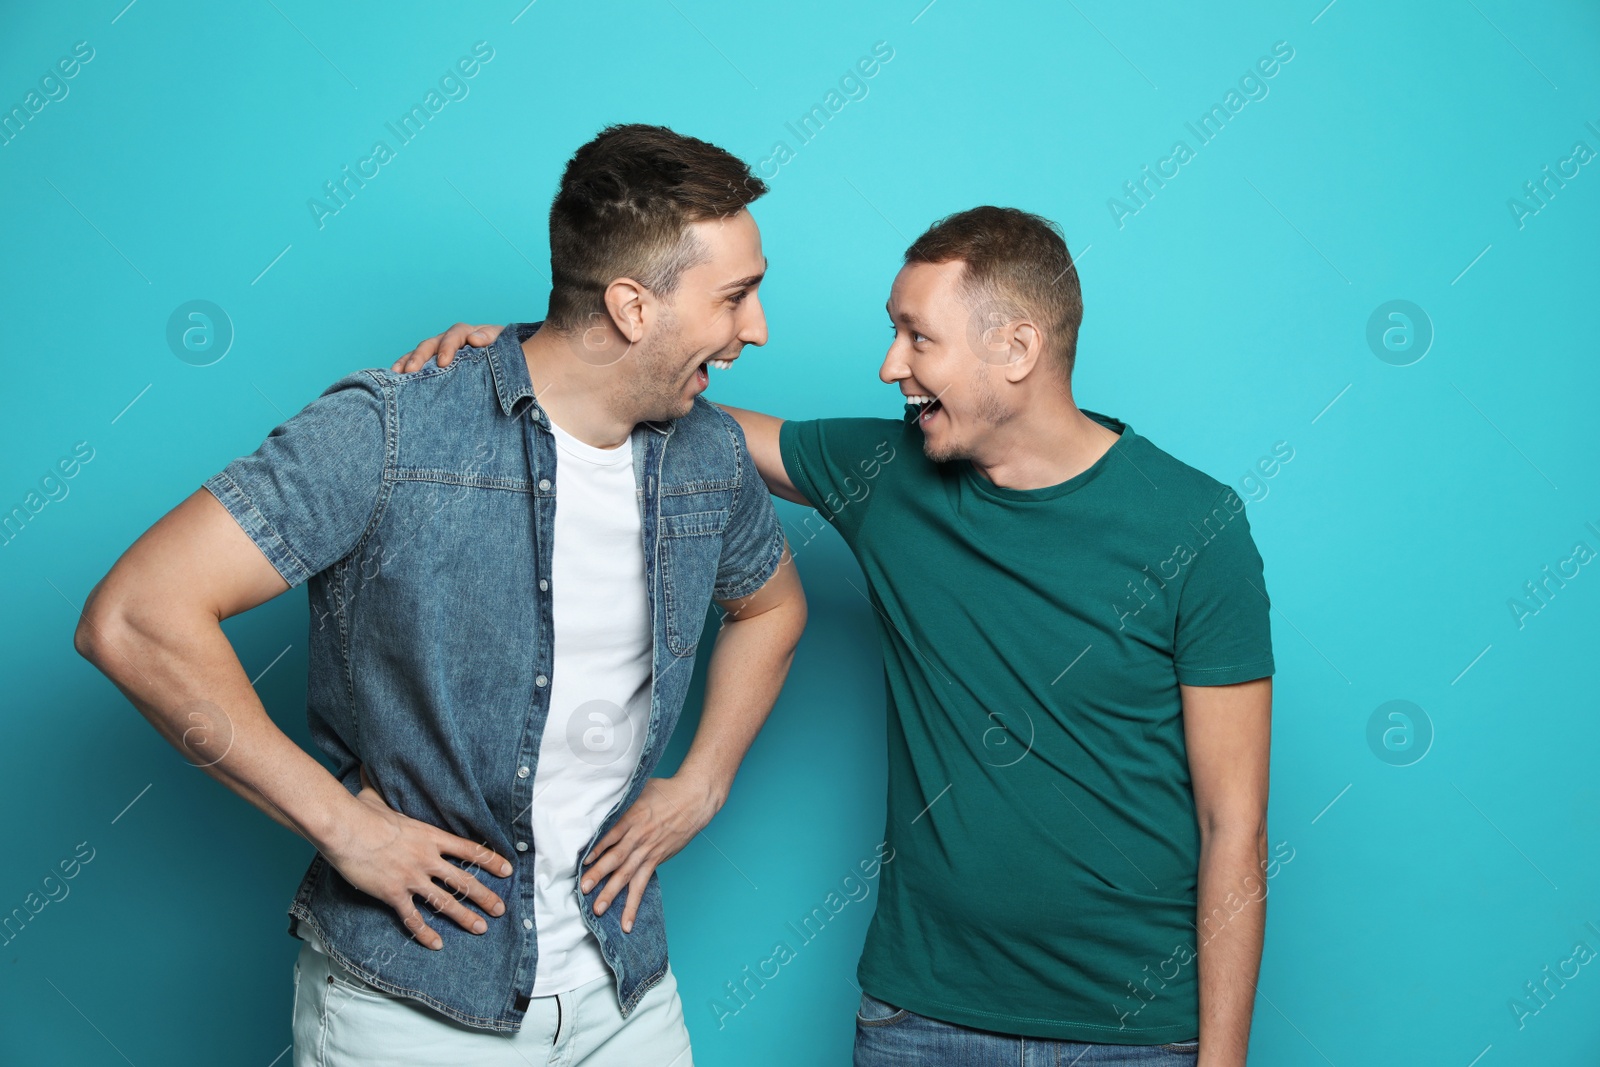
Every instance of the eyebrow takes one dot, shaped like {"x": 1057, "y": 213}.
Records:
{"x": 745, "y": 283}
{"x": 905, "y": 316}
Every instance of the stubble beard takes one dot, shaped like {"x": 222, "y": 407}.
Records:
{"x": 654, "y": 391}
{"x": 987, "y": 410}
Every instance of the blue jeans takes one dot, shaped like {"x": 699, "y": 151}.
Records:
{"x": 887, "y": 1035}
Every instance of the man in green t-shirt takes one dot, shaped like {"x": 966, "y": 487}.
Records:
{"x": 1077, "y": 657}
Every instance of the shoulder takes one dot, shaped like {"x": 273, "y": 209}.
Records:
{"x": 707, "y": 426}
{"x": 470, "y": 365}
{"x": 356, "y": 404}
{"x": 1181, "y": 490}
{"x": 707, "y": 444}
{"x": 463, "y": 390}
{"x": 371, "y": 382}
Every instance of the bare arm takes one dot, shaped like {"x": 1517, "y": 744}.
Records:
{"x": 761, "y": 434}
{"x": 1228, "y": 732}
{"x": 153, "y": 626}
{"x": 754, "y": 648}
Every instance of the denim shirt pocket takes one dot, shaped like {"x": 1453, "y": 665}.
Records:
{"x": 691, "y": 545}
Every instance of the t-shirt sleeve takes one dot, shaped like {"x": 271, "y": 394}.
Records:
{"x": 306, "y": 496}
{"x": 1224, "y": 627}
{"x": 835, "y": 464}
{"x": 752, "y": 543}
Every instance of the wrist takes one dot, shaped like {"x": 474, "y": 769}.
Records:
{"x": 330, "y": 823}
{"x": 709, "y": 790}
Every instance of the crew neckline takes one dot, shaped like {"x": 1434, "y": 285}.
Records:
{"x": 1118, "y": 449}
{"x": 603, "y": 457}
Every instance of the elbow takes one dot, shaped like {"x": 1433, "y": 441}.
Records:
{"x": 801, "y": 613}
{"x": 104, "y": 631}
{"x": 88, "y": 638}
{"x": 796, "y": 617}
{"x": 1245, "y": 828}
{"x": 83, "y": 640}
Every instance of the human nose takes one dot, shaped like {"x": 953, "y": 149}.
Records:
{"x": 894, "y": 365}
{"x": 753, "y": 330}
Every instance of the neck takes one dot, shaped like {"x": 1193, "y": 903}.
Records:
{"x": 578, "y": 397}
{"x": 1045, "y": 443}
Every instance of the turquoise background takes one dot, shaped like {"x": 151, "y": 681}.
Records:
{"x": 1230, "y": 313}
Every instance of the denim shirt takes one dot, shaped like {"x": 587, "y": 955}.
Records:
{"x": 419, "y": 511}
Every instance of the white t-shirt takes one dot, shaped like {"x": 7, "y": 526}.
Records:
{"x": 599, "y": 694}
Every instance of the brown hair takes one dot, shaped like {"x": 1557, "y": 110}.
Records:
{"x": 624, "y": 208}
{"x": 1016, "y": 263}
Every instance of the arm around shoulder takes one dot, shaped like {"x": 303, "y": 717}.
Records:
{"x": 761, "y": 434}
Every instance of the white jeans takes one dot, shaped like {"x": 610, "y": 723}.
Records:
{"x": 340, "y": 1021}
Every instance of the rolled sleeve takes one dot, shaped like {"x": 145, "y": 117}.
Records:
{"x": 307, "y": 495}
{"x": 752, "y": 543}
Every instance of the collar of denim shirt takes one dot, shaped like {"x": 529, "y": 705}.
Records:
{"x": 509, "y": 365}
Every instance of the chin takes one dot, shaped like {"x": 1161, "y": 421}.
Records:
{"x": 676, "y": 410}
{"x": 943, "y": 453}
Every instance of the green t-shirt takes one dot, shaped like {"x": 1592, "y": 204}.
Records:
{"x": 1040, "y": 812}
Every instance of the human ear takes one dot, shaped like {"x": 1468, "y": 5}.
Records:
{"x": 1024, "y": 348}
{"x": 625, "y": 300}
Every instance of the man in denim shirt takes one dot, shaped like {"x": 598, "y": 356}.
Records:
{"x": 509, "y": 562}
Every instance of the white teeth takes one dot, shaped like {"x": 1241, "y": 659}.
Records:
{"x": 919, "y": 399}
{"x": 720, "y": 364}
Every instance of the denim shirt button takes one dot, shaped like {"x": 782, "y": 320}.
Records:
{"x": 543, "y": 585}
{"x": 541, "y": 681}
{"x": 522, "y": 846}
{"x": 527, "y": 924}
{"x": 522, "y": 772}
{"x": 544, "y": 484}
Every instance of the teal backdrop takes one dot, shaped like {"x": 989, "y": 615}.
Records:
{"x": 1379, "y": 260}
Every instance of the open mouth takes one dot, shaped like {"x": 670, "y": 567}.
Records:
{"x": 926, "y": 407}
{"x": 702, "y": 375}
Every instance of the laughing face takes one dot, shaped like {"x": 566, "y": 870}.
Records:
{"x": 939, "y": 364}
{"x": 714, "y": 312}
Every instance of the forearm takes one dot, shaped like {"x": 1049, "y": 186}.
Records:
{"x": 748, "y": 665}
{"x": 184, "y": 677}
{"x": 1231, "y": 922}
